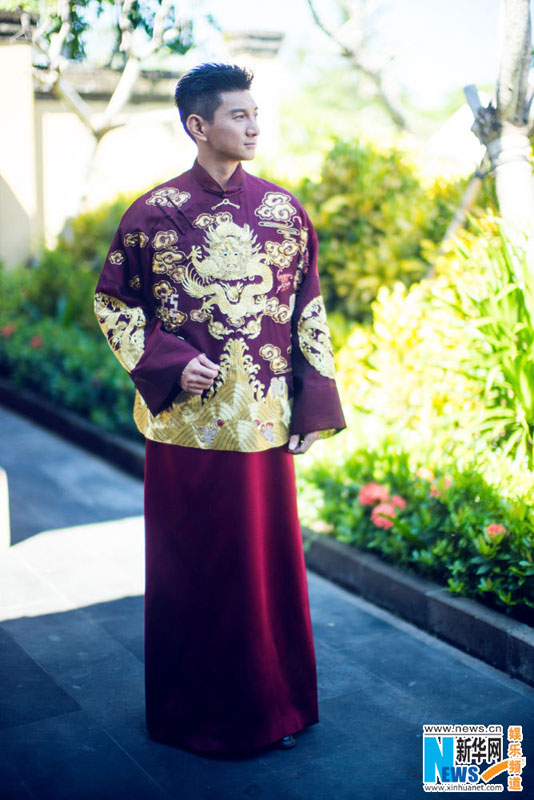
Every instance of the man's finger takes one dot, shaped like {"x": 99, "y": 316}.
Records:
{"x": 207, "y": 363}
{"x": 293, "y": 442}
{"x": 203, "y": 372}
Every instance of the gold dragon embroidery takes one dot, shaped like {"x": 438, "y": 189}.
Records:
{"x": 227, "y": 278}
{"x": 314, "y": 337}
{"x": 124, "y": 328}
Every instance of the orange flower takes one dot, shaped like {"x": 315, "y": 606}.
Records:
{"x": 495, "y": 530}
{"x": 425, "y": 474}
{"x": 8, "y": 330}
{"x": 373, "y": 493}
{"x": 398, "y": 501}
{"x": 383, "y": 514}
{"x": 36, "y": 341}
{"x": 435, "y": 492}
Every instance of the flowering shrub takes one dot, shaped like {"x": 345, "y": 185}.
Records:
{"x": 383, "y": 515}
{"x": 456, "y": 528}
{"x": 373, "y": 493}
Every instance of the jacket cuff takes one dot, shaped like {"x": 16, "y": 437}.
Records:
{"x": 317, "y": 409}
{"x": 157, "y": 374}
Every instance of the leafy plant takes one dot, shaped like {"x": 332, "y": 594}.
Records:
{"x": 376, "y": 222}
{"x": 495, "y": 296}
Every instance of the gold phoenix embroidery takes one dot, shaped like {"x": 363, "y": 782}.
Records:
{"x": 168, "y": 197}
{"x": 124, "y": 328}
{"x": 314, "y": 337}
{"x": 273, "y": 355}
{"x": 236, "y": 414}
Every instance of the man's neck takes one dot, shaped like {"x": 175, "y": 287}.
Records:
{"x": 220, "y": 171}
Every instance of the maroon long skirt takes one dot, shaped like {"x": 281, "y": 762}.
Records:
{"x": 229, "y": 655}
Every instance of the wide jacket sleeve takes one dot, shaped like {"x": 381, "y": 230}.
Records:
{"x": 316, "y": 404}
{"x": 154, "y": 358}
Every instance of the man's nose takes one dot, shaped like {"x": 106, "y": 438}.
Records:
{"x": 253, "y": 128}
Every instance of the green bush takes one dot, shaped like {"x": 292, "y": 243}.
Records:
{"x": 69, "y": 367}
{"x": 60, "y": 284}
{"x": 376, "y": 222}
{"x": 495, "y": 297}
{"x": 439, "y": 527}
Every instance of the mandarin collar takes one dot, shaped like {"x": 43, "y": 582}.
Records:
{"x": 209, "y": 184}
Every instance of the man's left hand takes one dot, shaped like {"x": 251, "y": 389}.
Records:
{"x": 307, "y": 440}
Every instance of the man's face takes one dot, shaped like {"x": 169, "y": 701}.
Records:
{"x": 234, "y": 131}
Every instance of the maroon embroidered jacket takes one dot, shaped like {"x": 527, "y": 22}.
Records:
{"x": 233, "y": 274}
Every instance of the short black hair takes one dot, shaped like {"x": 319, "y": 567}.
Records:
{"x": 198, "y": 91}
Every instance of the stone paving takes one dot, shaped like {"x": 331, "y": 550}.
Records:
{"x": 71, "y": 639}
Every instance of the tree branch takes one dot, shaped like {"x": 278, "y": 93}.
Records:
{"x": 356, "y": 58}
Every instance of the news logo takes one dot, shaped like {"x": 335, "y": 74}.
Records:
{"x": 466, "y": 758}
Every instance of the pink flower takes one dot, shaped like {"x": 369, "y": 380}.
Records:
{"x": 495, "y": 530}
{"x": 398, "y": 501}
{"x": 373, "y": 493}
{"x": 36, "y": 341}
{"x": 445, "y": 483}
{"x": 8, "y": 330}
{"x": 383, "y": 514}
{"x": 425, "y": 474}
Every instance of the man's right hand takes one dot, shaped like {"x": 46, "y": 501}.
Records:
{"x": 198, "y": 375}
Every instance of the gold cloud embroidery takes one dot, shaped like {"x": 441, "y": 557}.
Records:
{"x": 116, "y": 258}
{"x": 169, "y": 262}
{"x": 205, "y": 220}
{"x": 273, "y": 355}
{"x": 276, "y": 208}
{"x": 235, "y": 414}
{"x": 168, "y": 197}
{"x": 167, "y": 311}
{"x": 164, "y": 239}
{"x": 134, "y": 239}
{"x": 314, "y": 337}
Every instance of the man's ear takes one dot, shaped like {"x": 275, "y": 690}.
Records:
{"x": 196, "y": 127}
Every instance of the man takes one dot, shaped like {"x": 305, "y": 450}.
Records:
{"x": 210, "y": 299}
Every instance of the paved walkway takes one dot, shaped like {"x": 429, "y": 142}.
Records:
{"x": 71, "y": 637}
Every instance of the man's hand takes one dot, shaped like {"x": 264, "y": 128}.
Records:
{"x": 198, "y": 375}
{"x": 295, "y": 448}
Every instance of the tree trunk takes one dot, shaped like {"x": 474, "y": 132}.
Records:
{"x": 504, "y": 129}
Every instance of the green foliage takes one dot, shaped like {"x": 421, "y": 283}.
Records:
{"x": 443, "y": 531}
{"x": 67, "y": 366}
{"x": 61, "y": 283}
{"x": 495, "y": 296}
{"x": 140, "y": 15}
{"x": 373, "y": 217}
